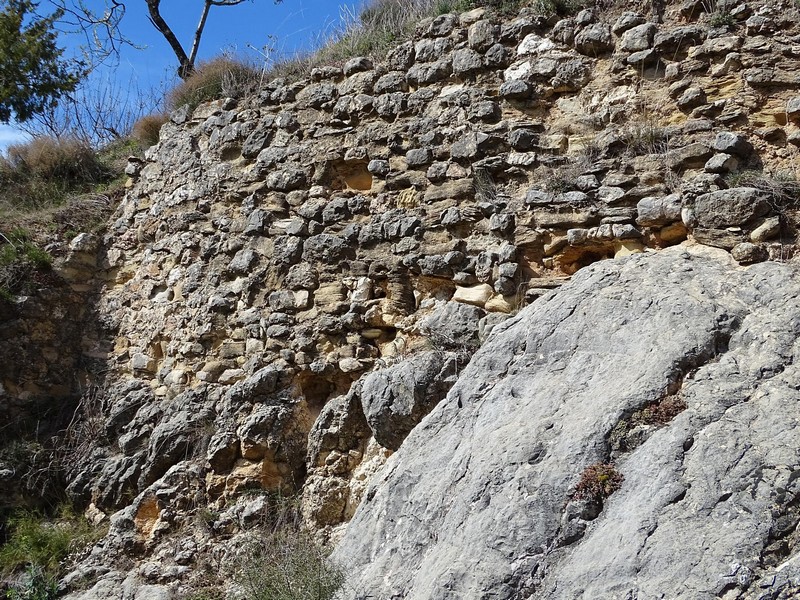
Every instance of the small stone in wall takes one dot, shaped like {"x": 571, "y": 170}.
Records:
{"x": 747, "y": 253}
{"x": 357, "y": 65}
{"x": 482, "y": 35}
{"x": 732, "y": 143}
{"x": 691, "y": 98}
{"x": 638, "y": 38}
{"x": 769, "y": 229}
{"x": 626, "y": 21}
{"x": 476, "y": 295}
{"x": 721, "y": 163}
{"x": 516, "y": 89}
{"x": 793, "y": 108}
{"x": 594, "y": 40}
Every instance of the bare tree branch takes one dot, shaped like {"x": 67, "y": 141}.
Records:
{"x": 198, "y": 33}
{"x": 184, "y": 67}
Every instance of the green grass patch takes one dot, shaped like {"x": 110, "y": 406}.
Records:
{"x": 43, "y": 544}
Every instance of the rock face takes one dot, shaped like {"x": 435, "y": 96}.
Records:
{"x": 478, "y": 502}
{"x": 297, "y": 277}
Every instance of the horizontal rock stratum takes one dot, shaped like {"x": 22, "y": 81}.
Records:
{"x": 478, "y": 502}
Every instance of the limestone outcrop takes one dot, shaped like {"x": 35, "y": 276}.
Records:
{"x": 296, "y": 279}
{"x": 480, "y": 499}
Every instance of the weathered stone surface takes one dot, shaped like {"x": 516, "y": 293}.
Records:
{"x": 594, "y": 40}
{"x": 638, "y": 38}
{"x": 732, "y": 143}
{"x": 395, "y": 399}
{"x": 658, "y": 211}
{"x": 728, "y": 208}
{"x": 554, "y": 398}
{"x": 747, "y": 253}
{"x": 316, "y": 229}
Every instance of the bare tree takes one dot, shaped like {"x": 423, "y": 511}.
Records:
{"x": 186, "y": 61}
{"x": 103, "y": 109}
{"x": 104, "y": 35}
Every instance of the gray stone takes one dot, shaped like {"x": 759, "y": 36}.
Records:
{"x": 391, "y": 105}
{"x": 442, "y": 25}
{"x": 469, "y": 146}
{"x": 452, "y": 326}
{"x": 571, "y": 75}
{"x": 427, "y": 50}
{"x": 678, "y": 39}
{"x": 401, "y": 57}
{"x": 482, "y": 35}
{"x": 793, "y": 107}
{"x": 626, "y": 21}
{"x": 357, "y": 65}
{"x": 516, "y": 89}
{"x": 502, "y": 223}
{"x": 287, "y": 179}
{"x": 656, "y": 211}
{"x": 769, "y": 229}
{"x": 729, "y": 208}
{"x": 721, "y": 163}
{"x": 638, "y": 38}
{"x": 594, "y": 40}
{"x": 535, "y": 408}
{"x": 418, "y": 157}
{"x": 378, "y": 167}
{"x": 395, "y": 399}
{"x": 643, "y": 58}
{"x": 466, "y": 60}
{"x": 242, "y": 261}
{"x": 732, "y": 143}
{"x": 393, "y": 81}
{"x": 718, "y": 238}
{"x": 586, "y": 183}
{"x": 693, "y": 156}
{"x": 692, "y": 97}
{"x": 425, "y": 74}
{"x": 326, "y": 248}
{"x": 747, "y": 253}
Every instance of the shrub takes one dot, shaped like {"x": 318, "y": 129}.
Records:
{"x": 35, "y": 585}
{"x": 222, "y": 77}
{"x": 289, "y": 565}
{"x": 374, "y": 31}
{"x": 43, "y": 545}
{"x": 598, "y": 482}
{"x": 659, "y": 413}
{"x": 561, "y": 8}
{"x": 43, "y": 172}
{"x": 147, "y": 129}
{"x": 285, "y": 563}
{"x": 68, "y": 160}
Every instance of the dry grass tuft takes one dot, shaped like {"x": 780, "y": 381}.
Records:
{"x": 146, "y": 130}
{"x": 221, "y": 77}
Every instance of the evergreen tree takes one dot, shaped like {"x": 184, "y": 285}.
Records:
{"x": 33, "y": 74}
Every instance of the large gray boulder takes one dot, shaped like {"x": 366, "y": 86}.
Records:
{"x": 480, "y": 500}
{"x": 728, "y": 208}
{"x": 395, "y": 399}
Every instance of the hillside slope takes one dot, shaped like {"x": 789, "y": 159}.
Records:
{"x": 294, "y": 280}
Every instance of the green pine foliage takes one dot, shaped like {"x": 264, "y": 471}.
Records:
{"x": 33, "y": 74}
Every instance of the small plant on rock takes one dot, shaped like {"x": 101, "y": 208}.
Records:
{"x": 286, "y": 563}
{"x": 598, "y": 482}
{"x": 36, "y": 585}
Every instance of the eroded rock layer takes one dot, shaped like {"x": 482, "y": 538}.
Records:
{"x": 295, "y": 279}
{"x": 480, "y": 499}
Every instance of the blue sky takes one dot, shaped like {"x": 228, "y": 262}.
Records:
{"x": 293, "y": 25}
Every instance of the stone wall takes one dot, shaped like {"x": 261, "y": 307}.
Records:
{"x": 295, "y": 279}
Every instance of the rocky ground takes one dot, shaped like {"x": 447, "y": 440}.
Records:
{"x": 296, "y": 279}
